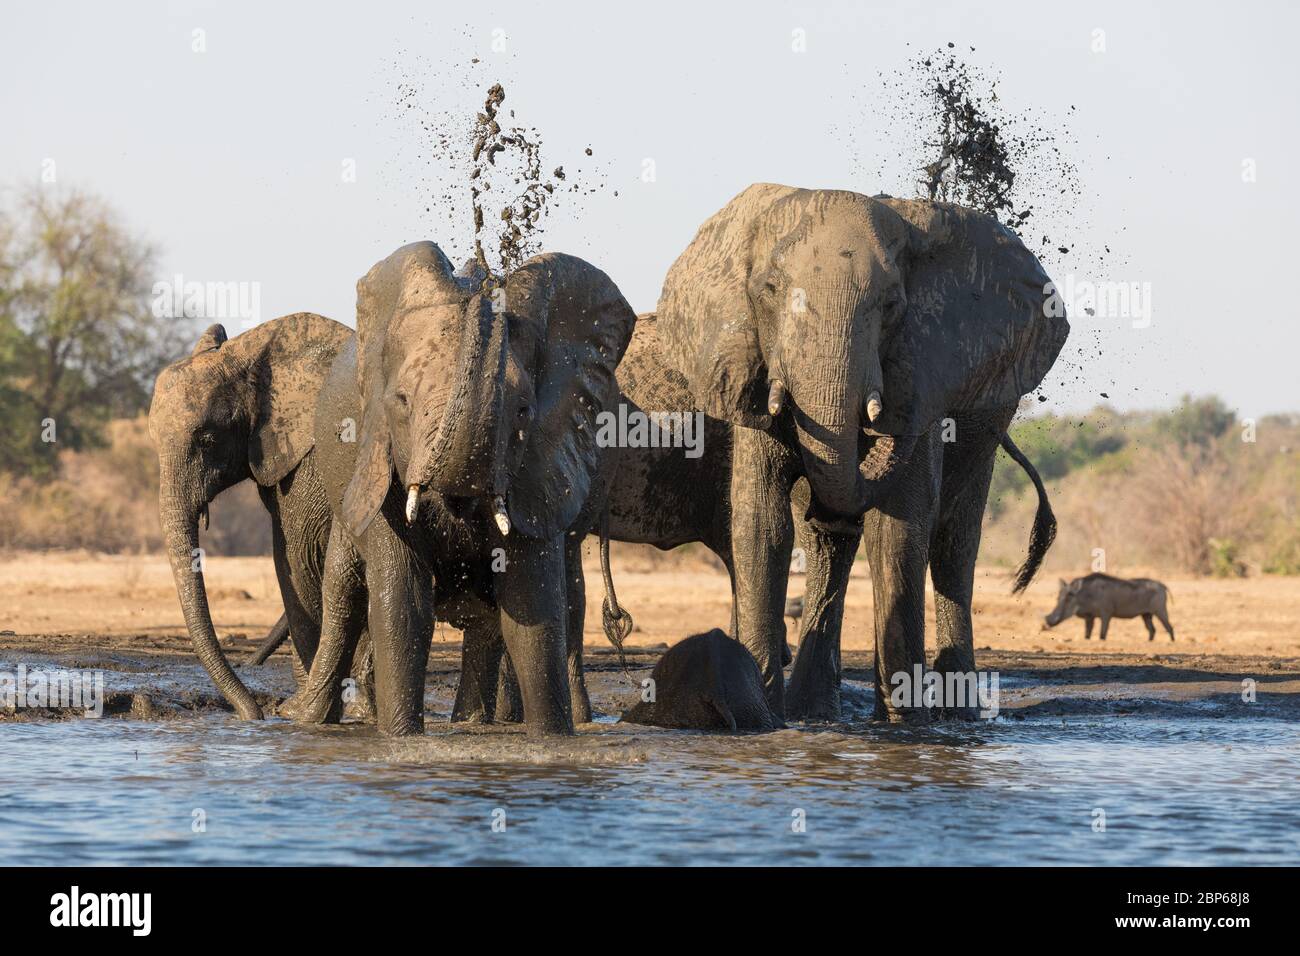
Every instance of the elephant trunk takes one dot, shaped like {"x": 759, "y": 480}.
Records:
{"x": 827, "y": 422}
{"x": 179, "y": 516}
{"x": 463, "y": 455}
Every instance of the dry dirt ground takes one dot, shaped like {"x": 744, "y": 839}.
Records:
{"x": 118, "y": 610}
{"x": 128, "y": 601}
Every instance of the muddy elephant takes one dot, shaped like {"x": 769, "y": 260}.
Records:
{"x": 475, "y": 456}
{"x": 235, "y": 409}
{"x": 675, "y": 489}
{"x": 836, "y": 330}
{"x": 706, "y": 682}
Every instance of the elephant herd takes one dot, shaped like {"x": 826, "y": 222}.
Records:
{"x": 854, "y": 363}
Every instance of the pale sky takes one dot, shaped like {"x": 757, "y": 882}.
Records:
{"x": 230, "y": 159}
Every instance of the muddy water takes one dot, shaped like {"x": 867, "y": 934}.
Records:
{"x": 1189, "y": 781}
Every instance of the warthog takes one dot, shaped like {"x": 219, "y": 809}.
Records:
{"x": 1103, "y": 596}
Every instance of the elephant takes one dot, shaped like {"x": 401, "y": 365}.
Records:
{"x": 706, "y": 682}
{"x": 836, "y": 331}
{"x": 235, "y": 409}
{"x": 660, "y": 495}
{"x": 475, "y": 457}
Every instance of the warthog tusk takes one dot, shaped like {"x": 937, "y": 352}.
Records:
{"x": 412, "y": 503}
{"x": 776, "y": 398}
{"x": 499, "y": 513}
{"x": 874, "y": 408}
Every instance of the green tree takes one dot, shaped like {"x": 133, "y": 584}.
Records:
{"x": 78, "y": 341}
{"x": 1197, "y": 421}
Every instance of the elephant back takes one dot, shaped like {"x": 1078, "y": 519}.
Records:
{"x": 645, "y": 379}
{"x": 984, "y": 323}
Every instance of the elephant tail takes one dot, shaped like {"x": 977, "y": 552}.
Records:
{"x": 616, "y": 621}
{"x": 1044, "y": 531}
{"x": 274, "y": 638}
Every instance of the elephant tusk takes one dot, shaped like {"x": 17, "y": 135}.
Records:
{"x": 499, "y": 513}
{"x": 776, "y": 398}
{"x": 874, "y": 408}
{"x": 412, "y": 503}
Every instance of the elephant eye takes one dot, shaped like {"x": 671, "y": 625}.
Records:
{"x": 401, "y": 399}
{"x": 206, "y": 438}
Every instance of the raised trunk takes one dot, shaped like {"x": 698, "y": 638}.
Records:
{"x": 462, "y": 457}
{"x": 180, "y": 525}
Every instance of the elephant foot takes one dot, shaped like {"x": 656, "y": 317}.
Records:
{"x": 361, "y": 708}
{"x": 812, "y": 704}
{"x": 304, "y": 709}
{"x": 821, "y": 708}
{"x": 289, "y": 707}
{"x": 580, "y": 704}
{"x": 404, "y": 727}
{"x": 463, "y": 712}
{"x": 908, "y": 716}
{"x": 579, "y": 700}
{"x": 510, "y": 712}
{"x": 955, "y": 713}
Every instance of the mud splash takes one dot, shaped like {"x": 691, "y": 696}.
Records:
{"x": 945, "y": 131}
{"x": 479, "y": 165}
{"x": 948, "y": 134}
{"x": 520, "y": 215}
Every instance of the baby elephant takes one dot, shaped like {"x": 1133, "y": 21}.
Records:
{"x": 1102, "y": 596}
{"x": 707, "y": 682}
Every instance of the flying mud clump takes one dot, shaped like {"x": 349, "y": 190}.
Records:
{"x": 974, "y": 152}
{"x": 526, "y": 190}
{"x": 981, "y": 151}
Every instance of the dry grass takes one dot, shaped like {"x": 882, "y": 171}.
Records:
{"x": 131, "y": 598}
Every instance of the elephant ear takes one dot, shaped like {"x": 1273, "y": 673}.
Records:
{"x": 414, "y": 273}
{"x": 708, "y": 327}
{"x": 293, "y": 362}
{"x": 983, "y": 323}
{"x": 213, "y": 338}
{"x": 582, "y": 325}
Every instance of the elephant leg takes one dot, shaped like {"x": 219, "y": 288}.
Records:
{"x": 814, "y": 691}
{"x": 963, "y": 494}
{"x": 400, "y": 623}
{"x": 535, "y": 625}
{"x": 1105, "y": 626}
{"x": 1151, "y": 627}
{"x": 476, "y": 693}
{"x": 897, "y": 535}
{"x": 762, "y": 537}
{"x": 576, "y": 595}
{"x": 510, "y": 703}
{"x": 1087, "y": 627}
{"x": 363, "y": 677}
{"x": 299, "y": 542}
{"x": 343, "y": 596}
{"x": 296, "y": 665}
{"x": 735, "y": 623}
{"x": 300, "y": 607}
